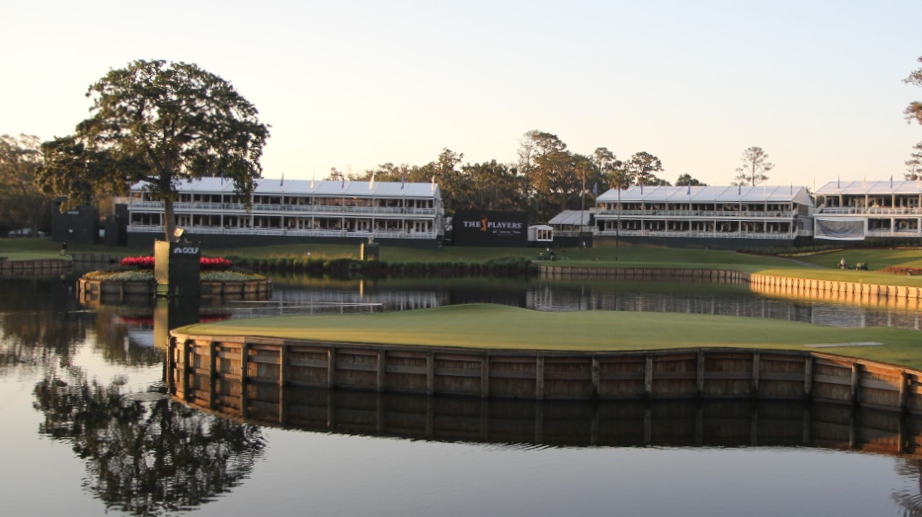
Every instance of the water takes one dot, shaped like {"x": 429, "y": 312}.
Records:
{"x": 88, "y": 431}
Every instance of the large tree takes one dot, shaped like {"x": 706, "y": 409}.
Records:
{"x": 687, "y": 179}
{"x": 914, "y": 112}
{"x": 161, "y": 123}
{"x": 550, "y": 171}
{"x": 22, "y": 205}
{"x": 454, "y": 185}
{"x": 642, "y": 168}
{"x": 755, "y": 167}
{"x": 914, "y": 164}
{"x": 605, "y": 162}
{"x": 496, "y": 186}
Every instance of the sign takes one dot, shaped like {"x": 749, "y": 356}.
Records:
{"x": 490, "y": 228}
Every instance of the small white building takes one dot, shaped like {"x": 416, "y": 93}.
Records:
{"x": 540, "y": 235}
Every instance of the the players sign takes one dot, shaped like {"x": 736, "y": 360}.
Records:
{"x": 473, "y": 228}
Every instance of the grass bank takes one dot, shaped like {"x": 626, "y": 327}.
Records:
{"x": 502, "y": 327}
{"x": 449, "y": 258}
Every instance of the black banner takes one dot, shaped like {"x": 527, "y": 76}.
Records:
{"x": 476, "y": 228}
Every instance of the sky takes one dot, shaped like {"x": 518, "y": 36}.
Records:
{"x": 353, "y": 84}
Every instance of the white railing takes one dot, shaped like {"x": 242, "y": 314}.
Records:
{"x": 874, "y": 210}
{"x": 212, "y": 230}
{"x": 145, "y": 228}
{"x": 146, "y": 204}
{"x": 697, "y": 234}
{"x": 887, "y": 232}
{"x": 701, "y": 213}
{"x": 257, "y": 208}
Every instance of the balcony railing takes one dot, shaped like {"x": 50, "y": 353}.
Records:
{"x": 874, "y": 210}
{"x": 261, "y": 208}
{"x": 745, "y": 214}
{"x": 900, "y": 232}
{"x": 212, "y": 230}
{"x": 699, "y": 234}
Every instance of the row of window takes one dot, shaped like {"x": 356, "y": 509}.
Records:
{"x": 267, "y": 222}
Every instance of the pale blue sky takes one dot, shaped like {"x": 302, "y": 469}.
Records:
{"x": 352, "y": 84}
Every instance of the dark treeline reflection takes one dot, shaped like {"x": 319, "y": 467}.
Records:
{"x": 42, "y": 324}
{"x": 145, "y": 454}
{"x": 39, "y": 321}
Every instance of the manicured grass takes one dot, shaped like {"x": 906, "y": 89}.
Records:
{"x": 29, "y": 249}
{"x": 875, "y": 258}
{"x": 30, "y": 255}
{"x": 503, "y": 327}
{"x": 44, "y": 247}
{"x": 820, "y": 267}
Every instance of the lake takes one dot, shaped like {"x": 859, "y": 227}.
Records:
{"x": 88, "y": 430}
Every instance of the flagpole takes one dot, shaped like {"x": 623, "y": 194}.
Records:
{"x": 582, "y": 205}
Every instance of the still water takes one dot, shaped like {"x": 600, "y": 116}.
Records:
{"x": 87, "y": 430}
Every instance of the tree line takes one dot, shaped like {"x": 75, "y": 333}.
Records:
{"x": 546, "y": 179}
{"x": 164, "y": 123}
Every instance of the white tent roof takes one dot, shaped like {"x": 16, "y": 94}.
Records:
{"x": 727, "y": 194}
{"x": 572, "y": 217}
{"x": 267, "y": 186}
{"x": 835, "y": 188}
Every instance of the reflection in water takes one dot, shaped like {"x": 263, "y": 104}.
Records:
{"x": 145, "y": 454}
{"x": 676, "y": 423}
{"x": 40, "y": 324}
{"x": 910, "y": 500}
{"x": 688, "y": 296}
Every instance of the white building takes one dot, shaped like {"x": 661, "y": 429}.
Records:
{"x": 721, "y": 215}
{"x": 295, "y": 210}
{"x": 856, "y": 210}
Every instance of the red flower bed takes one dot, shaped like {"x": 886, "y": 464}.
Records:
{"x": 215, "y": 264}
{"x": 138, "y": 262}
{"x": 207, "y": 263}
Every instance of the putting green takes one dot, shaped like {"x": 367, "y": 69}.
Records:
{"x": 503, "y": 327}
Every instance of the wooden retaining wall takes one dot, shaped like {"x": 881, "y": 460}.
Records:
{"x": 201, "y": 367}
{"x": 859, "y": 289}
{"x": 115, "y": 290}
{"x": 85, "y": 259}
{"x": 790, "y": 290}
{"x": 34, "y": 267}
